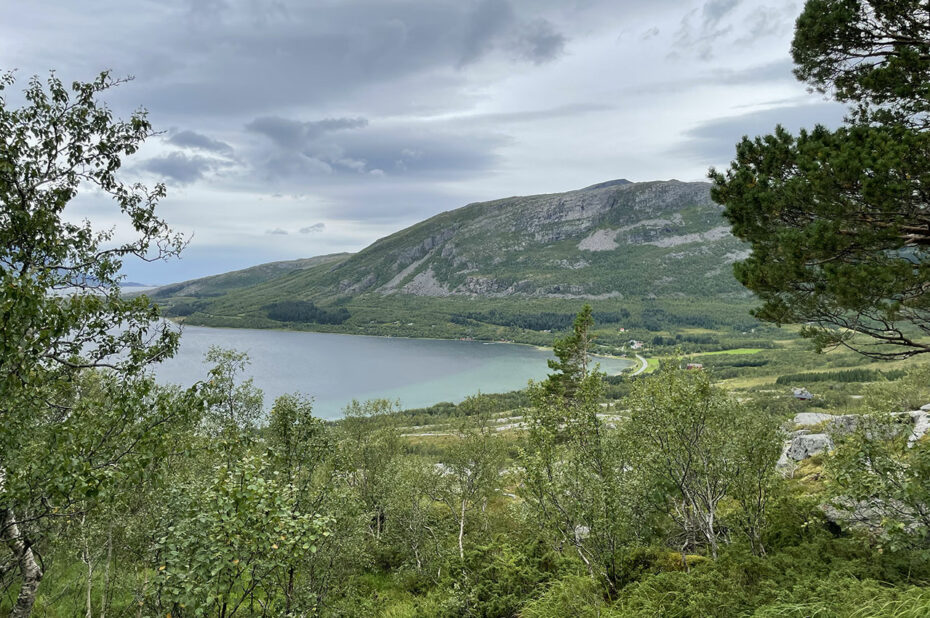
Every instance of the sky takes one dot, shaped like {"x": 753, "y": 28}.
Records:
{"x": 289, "y": 129}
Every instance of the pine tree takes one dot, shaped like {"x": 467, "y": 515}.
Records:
{"x": 572, "y": 357}
{"x": 839, "y": 221}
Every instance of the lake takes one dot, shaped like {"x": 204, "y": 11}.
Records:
{"x": 334, "y": 369}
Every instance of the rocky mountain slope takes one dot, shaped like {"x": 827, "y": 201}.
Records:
{"x": 616, "y": 241}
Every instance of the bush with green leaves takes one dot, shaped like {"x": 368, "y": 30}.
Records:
{"x": 701, "y": 448}
{"x": 232, "y": 542}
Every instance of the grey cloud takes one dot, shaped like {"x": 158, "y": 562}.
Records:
{"x": 415, "y": 152}
{"x": 718, "y": 20}
{"x": 772, "y": 71}
{"x": 713, "y": 143}
{"x": 539, "y": 42}
{"x": 293, "y": 134}
{"x": 488, "y": 21}
{"x": 715, "y": 10}
{"x": 650, "y": 33}
{"x": 317, "y": 53}
{"x": 768, "y": 21}
{"x": 419, "y": 70}
{"x": 562, "y": 111}
{"x": 277, "y": 232}
{"x": 404, "y": 204}
{"x": 310, "y": 229}
{"x": 192, "y": 139}
{"x": 495, "y": 24}
{"x": 297, "y": 150}
{"x": 700, "y": 38}
{"x": 780, "y": 70}
{"x": 179, "y": 167}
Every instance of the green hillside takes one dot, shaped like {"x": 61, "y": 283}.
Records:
{"x": 218, "y": 285}
{"x": 636, "y": 250}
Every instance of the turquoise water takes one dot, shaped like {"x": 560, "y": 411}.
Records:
{"x": 334, "y": 369}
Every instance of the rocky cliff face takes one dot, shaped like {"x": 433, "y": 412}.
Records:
{"x": 607, "y": 240}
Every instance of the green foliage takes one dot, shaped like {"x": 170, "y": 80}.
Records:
{"x": 304, "y": 311}
{"x": 907, "y": 393}
{"x": 833, "y": 247}
{"x": 546, "y": 321}
{"x": 299, "y": 442}
{"x": 572, "y": 357}
{"x": 414, "y": 525}
{"x": 493, "y": 403}
{"x": 180, "y": 310}
{"x": 369, "y": 444}
{"x": 596, "y": 529}
{"x": 837, "y": 220}
{"x": 232, "y": 409}
{"x": 62, "y": 314}
{"x": 501, "y": 575}
{"x": 879, "y": 473}
{"x": 872, "y": 53}
{"x": 569, "y": 596}
{"x": 579, "y": 485}
{"x": 217, "y": 285}
{"x": 702, "y": 447}
{"x": 231, "y": 542}
{"x": 469, "y": 474}
{"x": 820, "y": 577}
{"x": 846, "y": 375}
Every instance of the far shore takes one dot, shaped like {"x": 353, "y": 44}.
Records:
{"x": 182, "y": 325}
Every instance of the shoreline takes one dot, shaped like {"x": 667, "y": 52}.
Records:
{"x": 318, "y": 332}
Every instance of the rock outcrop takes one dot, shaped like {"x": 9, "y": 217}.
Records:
{"x": 801, "y": 447}
{"x": 803, "y": 443}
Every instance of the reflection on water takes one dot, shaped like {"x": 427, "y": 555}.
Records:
{"x": 334, "y": 369}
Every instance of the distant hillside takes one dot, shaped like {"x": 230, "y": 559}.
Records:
{"x": 617, "y": 242}
{"x": 217, "y": 285}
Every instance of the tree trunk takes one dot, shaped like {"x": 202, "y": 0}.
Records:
{"x": 89, "y": 613}
{"x": 289, "y": 592}
{"x": 145, "y": 583}
{"x": 28, "y": 567}
{"x": 710, "y": 534}
{"x": 105, "y": 603}
{"x": 462, "y": 533}
{"x": 88, "y": 560}
{"x": 89, "y": 601}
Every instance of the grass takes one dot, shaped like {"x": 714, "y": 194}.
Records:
{"x": 747, "y": 382}
{"x": 733, "y": 351}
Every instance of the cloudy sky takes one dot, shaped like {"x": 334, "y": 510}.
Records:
{"x": 298, "y": 128}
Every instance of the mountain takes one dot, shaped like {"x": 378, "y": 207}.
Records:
{"x": 616, "y": 242}
{"x": 217, "y": 285}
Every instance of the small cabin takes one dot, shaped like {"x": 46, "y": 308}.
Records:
{"x": 694, "y": 366}
{"x": 636, "y": 345}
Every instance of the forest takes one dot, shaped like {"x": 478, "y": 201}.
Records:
{"x": 197, "y": 502}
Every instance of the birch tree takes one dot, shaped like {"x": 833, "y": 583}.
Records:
{"x": 61, "y": 310}
{"x": 685, "y": 428}
{"x": 580, "y": 485}
{"x": 470, "y": 473}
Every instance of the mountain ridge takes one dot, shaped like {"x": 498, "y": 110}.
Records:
{"x": 611, "y": 242}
